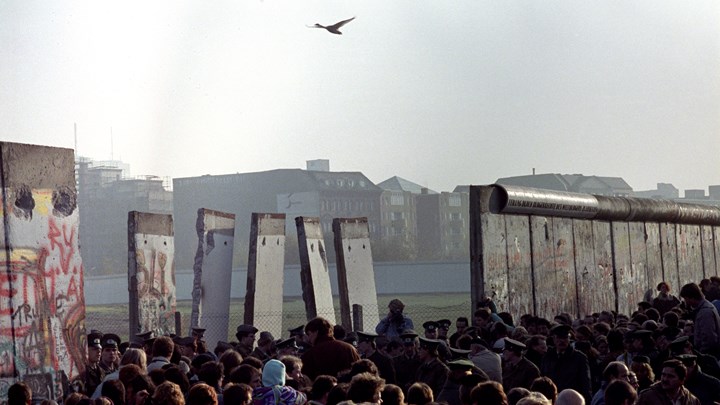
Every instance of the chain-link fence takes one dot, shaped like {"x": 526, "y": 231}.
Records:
{"x": 419, "y": 307}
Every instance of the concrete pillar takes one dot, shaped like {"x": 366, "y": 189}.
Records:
{"x": 212, "y": 275}
{"x": 356, "y": 276}
{"x": 151, "y": 273}
{"x": 314, "y": 273}
{"x": 266, "y": 261}
{"x": 42, "y": 306}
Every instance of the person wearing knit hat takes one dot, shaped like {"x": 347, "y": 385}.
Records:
{"x": 273, "y": 390}
{"x": 395, "y": 322}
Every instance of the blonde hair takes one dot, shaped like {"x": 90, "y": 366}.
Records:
{"x": 168, "y": 393}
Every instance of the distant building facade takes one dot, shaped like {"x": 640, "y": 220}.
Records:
{"x": 578, "y": 183}
{"x": 443, "y": 225}
{"x": 294, "y": 192}
{"x": 663, "y": 191}
{"x": 105, "y": 197}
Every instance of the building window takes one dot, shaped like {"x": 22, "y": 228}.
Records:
{"x": 454, "y": 201}
{"x": 397, "y": 199}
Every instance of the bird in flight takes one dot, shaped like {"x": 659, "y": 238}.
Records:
{"x": 335, "y": 28}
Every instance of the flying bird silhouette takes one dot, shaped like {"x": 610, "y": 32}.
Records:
{"x": 335, "y": 28}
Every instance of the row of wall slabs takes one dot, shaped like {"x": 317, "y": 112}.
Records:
{"x": 548, "y": 264}
{"x": 152, "y": 273}
{"x": 42, "y": 307}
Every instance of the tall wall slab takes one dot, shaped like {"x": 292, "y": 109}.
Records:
{"x": 264, "y": 293}
{"x": 212, "y": 271}
{"x": 314, "y": 273}
{"x": 587, "y": 253}
{"x": 356, "y": 276}
{"x": 151, "y": 273}
{"x": 42, "y": 307}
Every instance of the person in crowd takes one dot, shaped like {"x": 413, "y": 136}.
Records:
{"x": 704, "y": 386}
{"x": 295, "y": 378}
{"x": 640, "y": 365}
{"x": 461, "y": 323}
{"x": 131, "y": 356}
{"x": 432, "y": 371}
{"x": 287, "y": 347}
{"x": 237, "y": 394}
{"x": 616, "y": 370}
{"x": 327, "y": 355}
{"x": 19, "y": 394}
{"x": 246, "y": 374}
{"x": 395, "y": 322}
{"x": 393, "y": 395}
{"x": 202, "y": 394}
{"x": 110, "y": 357}
{"x": 670, "y": 389}
{"x": 545, "y": 386}
{"x": 93, "y": 375}
{"x": 706, "y": 335}
{"x": 483, "y": 358}
{"x": 569, "y": 397}
{"x": 488, "y": 393}
{"x": 620, "y": 392}
{"x": 366, "y": 388}
{"x": 273, "y": 390}
{"x": 168, "y": 393}
{"x": 567, "y": 367}
{"x": 420, "y": 394}
{"x": 265, "y": 349}
{"x": 320, "y": 390}
{"x": 367, "y": 347}
{"x": 517, "y": 370}
{"x": 163, "y": 347}
{"x": 408, "y": 362}
{"x": 246, "y": 339}
{"x": 536, "y": 349}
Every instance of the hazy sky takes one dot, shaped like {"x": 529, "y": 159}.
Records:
{"x": 438, "y": 92}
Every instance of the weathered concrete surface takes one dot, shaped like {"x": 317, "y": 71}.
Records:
{"x": 583, "y": 265}
{"x": 708, "y": 251}
{"x": 356, "y": 277}
{"x": 264, "y": 293}
{"x": 314, "y": 273}
{"x": 213, "y": 275}
{"x": 151, "y": 273}
{"x": 519, "y": 275}
{"x": 42, "y": 308}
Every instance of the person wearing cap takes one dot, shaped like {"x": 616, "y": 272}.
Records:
{"x": 367, "y": 347}
{"x": 110, "y": 358}
{"x": 704, "y": 386}
{"x": 287, "y": 347}
{"x": 431, "y": 332}
{"x": 407, "y": 363}
{"x": 706, "y": 337}
{"x": 567, "y": 367}
{"x": 615, "y": 370}
{"x": 670, "y": 389}
{"x": 432, "y": 371}
{"x": 395, "y": 321}
{"x": 197, "y": 332}
{"x": 93, "y": 374}
{"x": 187, "y": 346}
{"x": 517, "y": 370}
{"x": 708, "y": 363}
{"x": 443, "y": 329}
{"x": 327, "y": 355}
{"x": 265, "y": 349}
{"x": 459, "y": 369}
{"x": 483, "y": 358}
{"x": 246, "y": 339}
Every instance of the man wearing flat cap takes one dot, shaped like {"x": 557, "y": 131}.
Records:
{"x": 704, "y": 386}
{"x": 567, "y": 367}
{"x": 459, "y": 370}
{"x": 367, "y": 347}
{"x": 407, "y": 363}
{"x": 431, "y": 332}
{"x": 707, "y": 363}
{"x": 432, "y": 371}
{"x": 93, "y": 374}
{"x": 246, "y": 339}
{"x": 287, "y": 347}
{"x": 395, "y": 322}
{"x": 517, "y": 370}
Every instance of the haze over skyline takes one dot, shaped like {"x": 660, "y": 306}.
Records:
{"x": 439, "y": 93}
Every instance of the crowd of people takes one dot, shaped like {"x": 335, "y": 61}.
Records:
{"x": 665, "y": 352}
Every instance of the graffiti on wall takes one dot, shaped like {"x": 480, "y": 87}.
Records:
{"x": 42, "y": 308}
{"x": 155, "y": 283}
